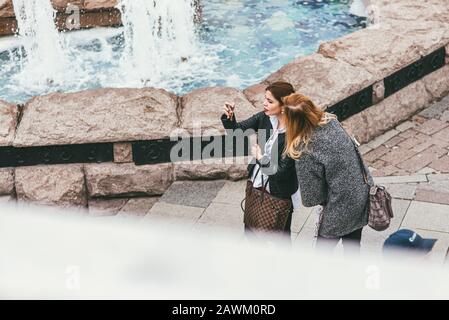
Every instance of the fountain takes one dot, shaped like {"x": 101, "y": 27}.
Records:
{"x": 45, "y": 61}
{"x": 175, "y": 47}
{"x": 358, "y": 7}
{"x": 157, "y": 37}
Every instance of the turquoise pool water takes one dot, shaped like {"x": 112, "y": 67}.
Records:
{"x": 240, "y": 42}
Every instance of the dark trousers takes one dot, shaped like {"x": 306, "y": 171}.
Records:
{"x": 351, "y": 241}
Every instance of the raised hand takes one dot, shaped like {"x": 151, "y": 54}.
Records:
{"x": 229, "y": 109}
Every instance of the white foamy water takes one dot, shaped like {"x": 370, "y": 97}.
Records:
{"x": 358, "y": 8}
{"x": 46, "y": 58}
{"x": 158, "y": 36}
{"x": 157, "y": 46}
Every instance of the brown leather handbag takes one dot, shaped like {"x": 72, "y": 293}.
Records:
{"x": 264, "y": 212}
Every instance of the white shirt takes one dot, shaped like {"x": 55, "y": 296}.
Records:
{"x": 257, "y": 179}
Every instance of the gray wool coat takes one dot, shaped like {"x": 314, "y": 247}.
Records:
{"x": 330, "y": 174}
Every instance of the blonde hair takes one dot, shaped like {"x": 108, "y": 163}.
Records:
{"x": 302, "y": 118}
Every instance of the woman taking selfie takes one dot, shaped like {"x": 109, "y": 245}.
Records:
{"x": 329, "y": 171}
{"x": 272, "y": 172}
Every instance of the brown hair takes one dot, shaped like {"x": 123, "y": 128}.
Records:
{"x": 302, "y": 118}
{"x": 280, "y": 89}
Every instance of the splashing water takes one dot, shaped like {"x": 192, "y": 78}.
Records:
{"x": 169, "y": 44}
{"x": 359, "y": 7}
{"x": 45, "y": 60}
{"x": 158, "y": 36}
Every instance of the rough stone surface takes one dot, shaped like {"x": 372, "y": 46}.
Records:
{"x": 436, "y": 110}
{"x": 326, "y": 81}
{"x": 202, "y": 109}
{"x": 8, "y": 121}
{"x": 388, "y": 48}
{"x": 6, "y": 8}
{"x": 6, "y": 181}
{"x": 447, "y": 54}
{"x": 100, "y": 115}
{"x": 410, "y": 11}
{"x": 378, "y": 91}
{"x": 212, "y": 169}
{"x": 61, "y": 5}
{"x": 89, "y": 19}
{"x": 389, "y": 112}
{"x": 123, "y": 152}
{"x": 94, "y": 13}
{"x": 256, "y": 94}
{"x": 437, "y": 83}
{"x": 61, "y": 185}
{"x": 362, "y": 49}
{"x": 445, "y": 116}
{"x": 110, "y": 179}
{"x": 8, "y": 26}
{"x": 99, "y": 4}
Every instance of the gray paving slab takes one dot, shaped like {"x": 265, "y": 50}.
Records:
{"x": 137, "y": 207}
{"x": 400, "y": 179}
{"x": 231, "y": 193}
{"x": 193, "y": 193}
{"x": 223, "y": 215}
{"x": 373, "y": 144}
{"x": 174, "y": 213}
{"x": 436, "y": 109}
{"x": 300, "y": 217}
{"x": 402, "y": 191}
{"x": 427, "y": 216}
{"x": 438, "y": 177}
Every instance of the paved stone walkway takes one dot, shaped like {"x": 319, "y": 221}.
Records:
{"x": 412, "y": 160}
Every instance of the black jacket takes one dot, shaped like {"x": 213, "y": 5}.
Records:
{"x": 281, "y": 170}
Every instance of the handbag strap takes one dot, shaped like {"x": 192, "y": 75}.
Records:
{"x": 365, "y": 174}
{"x": 359, "y": 156}
{"x": 264, "y": 185}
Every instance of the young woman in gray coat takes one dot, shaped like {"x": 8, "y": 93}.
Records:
{"x": 329, "y": 170}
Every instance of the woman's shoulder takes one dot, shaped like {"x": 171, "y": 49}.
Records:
{"x": 329, "y": 139}
{"x": 261, "y": 115}
{"x": 328, "y": 131}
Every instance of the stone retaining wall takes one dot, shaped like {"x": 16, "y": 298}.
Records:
{"x": 94, "y": 13}
{"x": 368, "y": 61}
